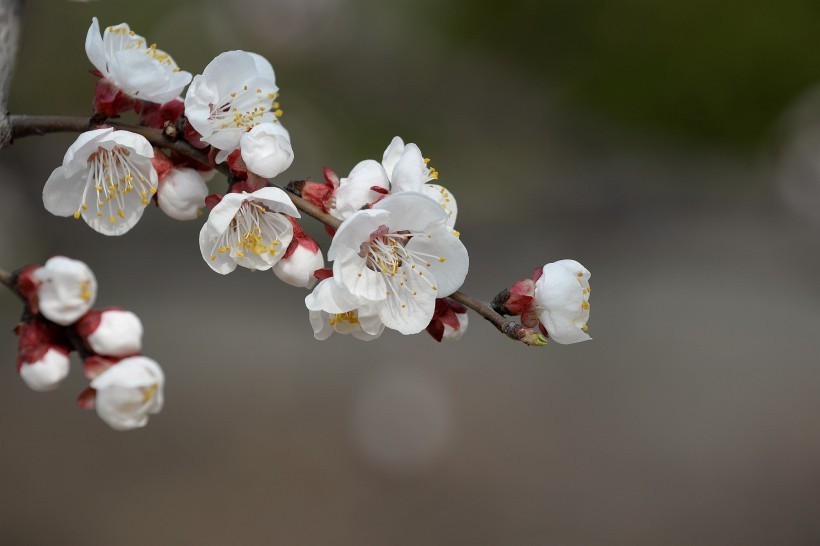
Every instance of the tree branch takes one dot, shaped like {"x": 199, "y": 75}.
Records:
{"x": 10, "y": 14}
{"x": 23, "y": 126}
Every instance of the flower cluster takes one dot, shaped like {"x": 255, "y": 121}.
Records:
{"x": 396, "y": 256}
{"x": 125, "y": 386}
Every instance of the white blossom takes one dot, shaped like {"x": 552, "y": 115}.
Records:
{"x": 181, "y": 194}
{"x": 66, "y": 289}
{"x": 248, "y": 229}
{"x": 266, "y": 149}
{"x": 138, "y": 69}
{"x": 333, "y": 309}
{"x": 562, "y": 301}
{"x": 236, "y": 92}
{"x": 48, "y": 372}
{"x": 129, "y": 391}
{"x": 399, "y": 255}
{"x": 408, "y": 170}
{"x": 106, "y": 177}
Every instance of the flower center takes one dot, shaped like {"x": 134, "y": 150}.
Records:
{"x": 387, "y": 253}
{"x": 245, "y": 109}
{"x": 114, "y": 175}
{"x": 255, "y": 230}
{"x": 149, "y": 392}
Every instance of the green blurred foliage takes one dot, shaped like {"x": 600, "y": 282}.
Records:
{"x": 720, "y": 70}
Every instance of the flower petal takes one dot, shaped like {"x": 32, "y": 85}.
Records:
{"x": 450, "y": 271}
{"x": 356, "y": 230}
{"x": 392, "y": 154}
{"x": 94, "y": 47}
{"x": 411, "y": 211}
{"x": 410, "y": 304}
{"x": 410, "y": 171}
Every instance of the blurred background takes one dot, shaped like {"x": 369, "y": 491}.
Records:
{"x": 671, "y": 147}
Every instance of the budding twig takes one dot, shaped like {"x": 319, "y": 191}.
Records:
{"x": 5, "y": 280}
{"x": 23, "y": 126}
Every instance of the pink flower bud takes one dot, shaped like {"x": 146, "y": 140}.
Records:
{"x": 449, "y": 320}
{"x": 111, "y": 332}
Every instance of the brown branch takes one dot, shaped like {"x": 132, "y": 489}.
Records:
{"x": 23, "y": 126}
{"x": 509, "y": 328}
{"x": 10, "y": 15}
{"x": 5, "y": 280}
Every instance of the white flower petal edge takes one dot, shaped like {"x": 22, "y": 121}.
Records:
{"x": 128, "y": 392}
{"x": 562, "y": 300}
{"x": 236, "y": 92}
{"x": 333, "y": 309}
{"x": 395, "y": 255}
{"x": 106, "y": 177}
{"x": 248, "y": 229}
{"x": 139, "y": 70}
{"x": 47, "y": 373}
{"x": 266, "y": 149}
{"x": 66, "y": 289}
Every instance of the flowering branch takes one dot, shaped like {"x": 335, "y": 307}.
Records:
{"x": 23, "y": 125}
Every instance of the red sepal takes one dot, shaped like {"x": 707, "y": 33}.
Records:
{"x": 521, "y": 298}
{"x": 250, "y": 184}
{"x": 27, "y": 286}
{"x": 162, "y": 163}
{"x": 212, "y": 200}
{"x": 194, "y": 138}
{"x": 157, "y": 115}
{"x": 94, "y": 365}
{"x": 87, "y": 398}
{"x": 436, "y": 330}
{"x": 36, "y": 337}
{"x": 318, "y": 193}
{"x": 110, "y": 101}
{"x": 322, "y": 274}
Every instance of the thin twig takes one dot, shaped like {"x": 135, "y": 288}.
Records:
{"x": 509, "y": 328}
{"x": 23, "y": 126}
{"x": 5, "y": 280}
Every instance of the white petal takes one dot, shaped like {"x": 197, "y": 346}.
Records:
{"x": 441, "y": 243}
{"x": 94, "y": 47}
{"x": 76, "y": 157}
{"x": 298, "y": 268}
{"x": 181, "y": 194}
{"x": 411, "y": 211}
{"x": 350, "y": 270}
{"x": 276, "y": 200}
{"x": 410, "y": 171}
{"x": 263, "y": 67}
{"x": 266, "y": 149}
{"x": 444, "y": 198}
{"x": 392, "y": 154}
{"x": 221, "y": 262}
{"x": 409, "y": 307}
{"x": 47, "y": 373}
{"x": 66, "y": 289}
{"x": 332, "y": 298}
{"x": 321, "y": 326}
{"x": 356, "y": 230}
{"x": 355, "y": 191}
{"x": 224, "y": 212}
{"x": 369, "y": 320}
{"x": 62, "y": 196}
{"x": 118, "y": 334}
